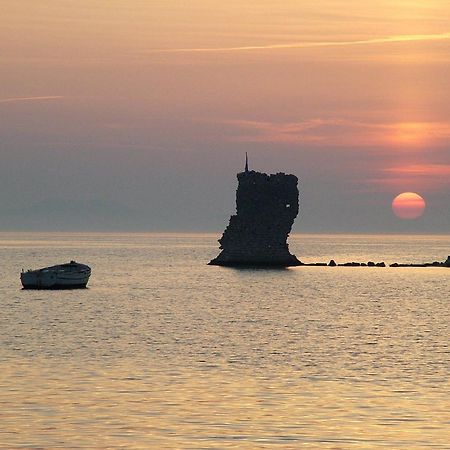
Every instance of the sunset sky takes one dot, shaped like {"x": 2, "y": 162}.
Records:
{"x": 133, "y": 114}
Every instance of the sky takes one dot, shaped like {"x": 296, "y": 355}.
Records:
{"x": 136, "y": 114}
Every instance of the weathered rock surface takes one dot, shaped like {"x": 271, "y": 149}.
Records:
{"x": 266, "y": 206}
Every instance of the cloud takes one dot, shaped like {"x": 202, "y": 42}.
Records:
{"x": 427, "y": 170}
{"x": 337, "y": 132}
{"x": 30, "y": 99}
{"x": 313, "y": 131}
{"x": 300, "y": 45}
{"x": 416, "y": 177}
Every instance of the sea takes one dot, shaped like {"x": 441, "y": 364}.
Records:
{"x": 162, "y": 351}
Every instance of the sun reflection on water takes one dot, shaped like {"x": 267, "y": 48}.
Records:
{"x": 184, "y": 355}
{"x": 135, "y": 406}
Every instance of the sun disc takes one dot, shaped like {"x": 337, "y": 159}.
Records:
{"x": 408, "y": 205}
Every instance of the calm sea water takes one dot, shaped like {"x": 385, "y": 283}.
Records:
{"x": 163, "y": 351}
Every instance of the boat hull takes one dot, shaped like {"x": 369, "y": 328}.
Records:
{"x": 55, "y": 287}
{"x": 66, "y": 276}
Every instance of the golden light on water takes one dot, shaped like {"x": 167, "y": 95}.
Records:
{"x": 183, "y": 355}
{"x": 153, "y": 409}
{"x": 408, "y": 205}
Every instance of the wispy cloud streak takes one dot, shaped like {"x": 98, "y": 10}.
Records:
{"x": 301, "y": 45}
{"x": 429, "y": 170}
{"x": 428, "y": 177}
{"x": 30, "y": 99}
{"x": 337, "y": 132}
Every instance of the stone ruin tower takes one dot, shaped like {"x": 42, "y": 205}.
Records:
{"x": 266, "y": 206}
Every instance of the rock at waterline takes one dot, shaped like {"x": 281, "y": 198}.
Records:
{"x": 266, "y": 206}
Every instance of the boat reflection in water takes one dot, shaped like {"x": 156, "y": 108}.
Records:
{"x": 72, "y": 275}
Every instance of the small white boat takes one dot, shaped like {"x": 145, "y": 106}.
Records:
{"x": 72, "y": 275}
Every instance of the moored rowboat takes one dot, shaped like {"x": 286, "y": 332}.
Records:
{"x": 71, "y": 275}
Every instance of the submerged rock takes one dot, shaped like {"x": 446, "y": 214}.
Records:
{"x": 266, "y": 206}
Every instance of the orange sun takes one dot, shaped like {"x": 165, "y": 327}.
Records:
{"x": 408, "y": 205}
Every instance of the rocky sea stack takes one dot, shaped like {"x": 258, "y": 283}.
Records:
{"x": 266, "y": 206}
